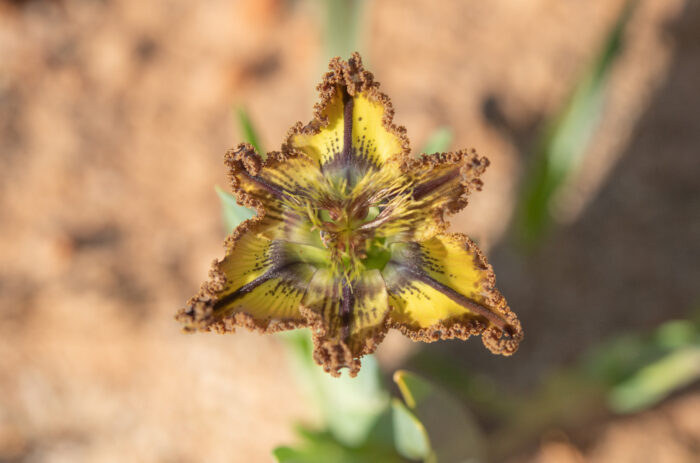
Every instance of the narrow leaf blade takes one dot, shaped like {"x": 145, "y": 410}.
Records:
{"x": 565, "y": 141}
{"x": 453, "y": 432}
{"x": 248, "y": 130}
{"x": 410, "y": 437}
{"x": 233, "y": 213}
{"x": 439, "y": 141}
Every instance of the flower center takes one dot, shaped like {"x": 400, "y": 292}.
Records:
{"x": 347, "y": 232}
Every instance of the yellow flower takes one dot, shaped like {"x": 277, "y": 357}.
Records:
{"x": 349, "y": 237}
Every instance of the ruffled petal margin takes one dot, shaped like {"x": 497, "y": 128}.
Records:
{"x": 259, "y": 284}
{"x": 444, "y": 288}
{"x": 440, "y": 185}
{"x": 352, "y": 132}
{"x": 274, "y": 187}
{"x": 348, "y": 320}
{"x": 270, "y": 286}
{"x": 276, "y": 274}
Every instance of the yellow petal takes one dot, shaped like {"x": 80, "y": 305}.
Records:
{"x": 259, "y": 284}
{"x": 352, "y": 132}
{"x": 280, "y": 188}
{"x": 279, "y": 179}
{"x": 444, "y": 288}
{"x": 439, "y": 184}
{"x": 348, "y": 320}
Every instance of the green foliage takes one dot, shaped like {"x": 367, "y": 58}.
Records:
{"x": 343, "y": 27}
{"x": 350, "y": 406}
{"x": 642, "y": 370}
{"x": 452, "y": 433}
{"x": 322, "y": 447}
{"x": 361, "y": 422}
{"x": 566, "y": 139}
{"x": 410, "y": 436}
{"x": 439, "y": 141}
{"x": 656, "y": 381}
{"x": 626, "y": 374}
{"x": 248, "y": 131}
{"x": 233, "y": 213}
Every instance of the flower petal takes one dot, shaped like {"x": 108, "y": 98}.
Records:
{"x": 259, "y": 284}
{"x": 348, "y": 320}
{"x": 352, "y": 132}
{"x": 277, "y": 188}
{"x": 444, "y": 288}
{"x": 280, "y": 178}
{"x": 440, "y": 184}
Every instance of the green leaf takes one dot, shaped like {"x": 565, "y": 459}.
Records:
{"x": 410, "y": 437}
{"x": 233, "y": 213}
{"x": 565, "y": 141}
{"x": 640, "y": 370}
{"x": 618, "y": 360}
{"x": 285, "y": 454}
{"x": 452, "y": 432}
{"x": 656, "y": 381}
{"x": 248, "y": 130}
{"x": 343, "y": 27}
{"x": 322, "y": 447}
{"x": 677, "y": 333}
{"x": 439, "y": 141}
{"x": 350, "y": 406}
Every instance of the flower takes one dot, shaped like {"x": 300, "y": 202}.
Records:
{"x": 350, "y": 237}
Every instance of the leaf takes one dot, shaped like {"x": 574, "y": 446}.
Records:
{"x": 350, "y": 406}
{"x": 439, "y": 141}
{"x": 410, "y": 437}
{"x": 616, "y": 361}
{"x": 248, "y": 130}
{"x": 656, "y": 381}
{"x": 322, "y": 447}
{"x": 559, "y": 152}
{"x": 664, "y": 362}
{"x": 640, "y": 370}
{"x": 453, "y": 434}
{"x": 233, "y": 213}
{"x": 343, "y": 27}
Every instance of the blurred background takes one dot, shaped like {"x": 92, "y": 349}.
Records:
{"x": 114, "y": 118}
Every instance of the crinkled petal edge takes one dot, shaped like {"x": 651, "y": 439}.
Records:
{"x": 334, "y": 355}
{"x": 198, "y": 315}
{"x": 356, "y": 79}
{"x": 495, "y": 339}
{"x": 199, "y": 310}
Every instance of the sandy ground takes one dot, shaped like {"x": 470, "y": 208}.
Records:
{"x": 114, "y": 117}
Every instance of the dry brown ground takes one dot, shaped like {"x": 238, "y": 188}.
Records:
{"x": 114, "y": 116}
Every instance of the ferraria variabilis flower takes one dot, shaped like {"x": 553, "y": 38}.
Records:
{"x": 349, "y": 237}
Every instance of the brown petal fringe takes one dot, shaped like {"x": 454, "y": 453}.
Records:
{"x": 243, "y": 161}
{"x": 333, "y": 355}
{"x": 355, "y": 79}
{"x": 494, "y": 339}
{"x": 471, "y": 167}
{"x": 198, "y": 315}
